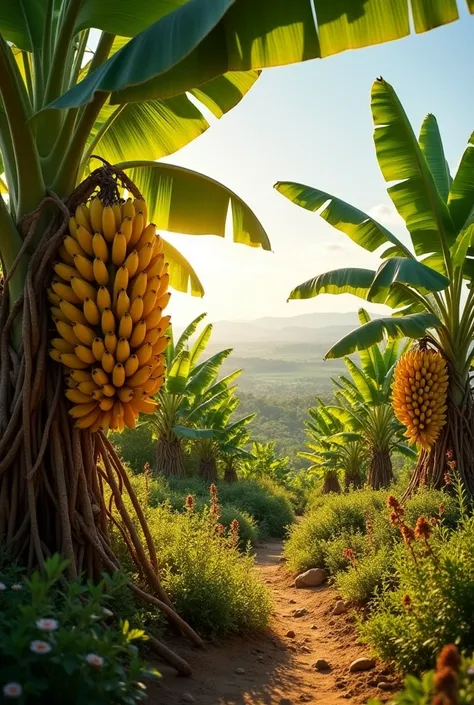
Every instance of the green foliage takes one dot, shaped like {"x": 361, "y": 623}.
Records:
{"x": 136, "y": 447}
{"x": 60, "y": 641}
{"x": 369, "y": 574}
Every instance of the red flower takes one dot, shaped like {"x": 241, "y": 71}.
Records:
{"x": 422, "y": 529}
{"x": 449, "y": 658}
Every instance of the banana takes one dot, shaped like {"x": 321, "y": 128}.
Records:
{"x": 140, "y": 376}
{"x": 144, "y": 353}
{"x": 159, "y": 371}
{"x": 118, "y": 375}
{"x": 144, "y": 257}
{"x": 136, "y": 309}
{"x": 122, "y": 353}
{"x": 87, "y": 387}
{"x": 138, "y": 224}
{"x": 78, "y": 397}
{"x": 99, "y": 245}
{"x": 156, "y": 266}
{"x": 138, "y": 334}
{"x": 67, "y": 332}
{"x": 108, "y": 362}
{"x": 149, "y": 385}
{"x": 110, "y": 342}
{"x": 128, "y": 416}
{"x": 84, "y": 238}
{"x": 104, "y": 299}
{"x": 153, "y": 320}
{"x": 71, "y": 360}
{"x": 160, "y": 345}
{"x": 163, "y": 301}
{"x": 82, "y": 216}
{"x": 152, "y": 336}
{"x": 141, "y": 207}
{"x": 131, "y": 263}
{"x": 125, "y": 394}
{"x": 131, "y": 365}
{"x": 108, "y": 223}
{"x": 109, "y": 390}
{"x": 100, "y": 271}
{"x": 119, "y": 249}
{"x": 108, "y": 321}
{"x": 123, "y": 303}
{"x": 157, "y": 385}
{"x": 139, "y": 285}
{"x": 53, "y": 298}
{"x": 128, "y": 210}
{"x": 69, "y": 380}
{"x": 95, "y": 211}
{"x": 83, "y": 289}
{"x": 146, "y": 405}
{"x": 148, "y": 236}
{"x": 164, "y": 324}
{"x": 85, "y": 334}
{"x": 88, "y": 420}
{"x": 153, "y": 284}
{"x": 84, "y": 267}
{"x": 80, "y": 376}
{"x": 125, "y": 326}
{"x": 58, "y": 315}
{"x": 65, "y": 271}
{"x": 94, "y": 427}
{"x": 65, "y": 292}
{"x": 117, "y": 209}
{"x": 72, "y": 246}
{"x": 62, "y": 345}
{"x": 106, "y": 405}
{"x": 164, "y": 282}
{"x": 148, "y": 304}
{"x": 84, "y": 354}
{"x": 99, "y": 377}
{"x": 121, "y": 280}
{"x": 91, "y": 312}
{"x": 65, "y": 256}
{"x": 72, "y": 313}
{"x": 98, "y": 348}
{"x": 72, "y": 227}
{"x": 55, "y": 355}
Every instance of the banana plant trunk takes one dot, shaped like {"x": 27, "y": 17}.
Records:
{"x": 170, "y": 459}
{"x": 230, "y": 473}
{"x": 208, "y": 469}
{"x": 331, "y": 483}
{"x": 353, "y": 479}
{"x": 380, "y": 473}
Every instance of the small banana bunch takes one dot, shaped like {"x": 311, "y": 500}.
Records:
{"x": 107, "y": 303}
{"x": 419, "y": 395}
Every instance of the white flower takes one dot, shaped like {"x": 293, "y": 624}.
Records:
{"x": 12, "y": 690}
{"x": 95, "y": 660}
{"x": 3, "y": 586}
{"x": 47, "y": 625}
{"x": 106, "y": 612}
{"x": 470, "y": 670}
{"x": 40, "y": 647}
{"x": 17, "y": 587}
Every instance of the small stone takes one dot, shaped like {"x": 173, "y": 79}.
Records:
{"x": 313, "y": 626}
{"x": 261, "y": 658}
{"x": 240, "y": 671}
{"x": 340, "y": 607}
{"x": 322, "y": 665}
{"x": 300, "y": 613}
{"x": 305, "y": 649}
{"x": 385, "y": 685}
{"x": 290, "y": 634}
{"x": 305, "y": 698}
{"x": 188, "y": 698}
{"x": 292, "y": 602}
{"x": 311, "y": 578}
{"x": 362, "y": 664}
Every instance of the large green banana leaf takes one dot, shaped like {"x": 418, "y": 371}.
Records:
{"x": 338, "y": 281}
{"x": 412, "y": 326}
{"x": 178, "y": 375}
{"x": 372, "y": 359}
{"x": 432, "y": 148}
{"x": 172, "y": 351}
{"x": 398, "y": 270}
{"x": 461, "y": 194}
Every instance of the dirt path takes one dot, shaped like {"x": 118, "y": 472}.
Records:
{"x": 278, "y": 669}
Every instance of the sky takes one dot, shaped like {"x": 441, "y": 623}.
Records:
{"x": 311, "y": 123}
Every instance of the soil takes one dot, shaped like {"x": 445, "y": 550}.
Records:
{"x": 276, "y": 668}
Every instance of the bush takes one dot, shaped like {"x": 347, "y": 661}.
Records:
{"x": 55, "y": 644}
{"x": 136, "y": 447}
{"x": 366, "y": 577}
{"x": 248, "y": 530}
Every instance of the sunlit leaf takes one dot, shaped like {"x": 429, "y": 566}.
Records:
{"x": 433, "y": 151}
{"x": 338, "y": 281}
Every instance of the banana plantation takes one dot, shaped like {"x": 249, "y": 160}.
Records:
{"x": 137, "y": 491}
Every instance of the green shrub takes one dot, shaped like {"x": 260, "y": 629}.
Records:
{"x": 136, "y": 447}
{"x": 432, "y": 605}
{"x": 333, "y": 551}
{"x": 366, "y": 577}
{"x": 57, "y": 644}
{"x": 248, "y": 530}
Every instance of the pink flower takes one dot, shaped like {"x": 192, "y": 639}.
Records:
{"x": 47, "y": 625}
{"x": 17, "y": 587}
{"x": 95, "y": 660}
{"x": 12, "y": 690}
{"x": 40, "y": 647}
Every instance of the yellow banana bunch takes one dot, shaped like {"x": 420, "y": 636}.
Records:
{"x": 419, "y": 392}
{"x": 107, "y": 298}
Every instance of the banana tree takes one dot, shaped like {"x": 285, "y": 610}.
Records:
{"x": 191, "y": 387}
{"x": 232, "y": 449}
{"x": 428, "y": 284}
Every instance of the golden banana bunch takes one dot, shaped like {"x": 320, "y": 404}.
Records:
{"x": 107, "y": 303}
{"x": 419, "y": 395}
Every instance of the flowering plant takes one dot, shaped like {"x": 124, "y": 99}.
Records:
{"x": 63, "y": 646}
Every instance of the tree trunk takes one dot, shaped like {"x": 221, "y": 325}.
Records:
{"x": 170, "y": 457}
{"x": 331, "y": 483}
{"x": 353, "y": 479}
{"x": 380, "y": 470}
{"x": 453, "y": 452}
{"x": 61, "y": 488}
{"x": 208, "y": 469}
{"x": 230, "y": 473}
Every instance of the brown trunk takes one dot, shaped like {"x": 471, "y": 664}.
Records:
{"x": 380, "y": 470}
{"x": 453, "y": 451}
{"x": 61, "y": 488}
{"x": 170, "y": 457}
{"x": 230, "y": 475}
{"x": 331, "y": 483}
{"x": 208, "y": 469}
{"x": 353, "y": 479}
